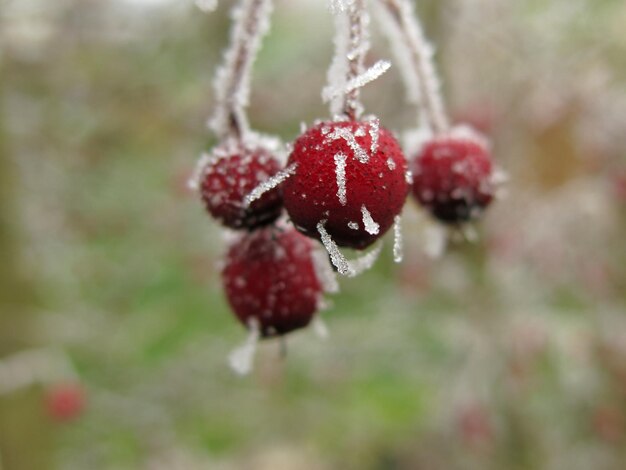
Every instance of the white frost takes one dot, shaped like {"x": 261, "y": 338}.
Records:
{"x": 270, "y": 184}
{"x": 365, "y": 262}
{"x": 232, "y": 80}
{"x": 340, "y": 174}
{"x": 242, "y": 358}
{"x": 375, "y": 71}
{"x": 195, "y": 179}
{"x": 324, "y": 272}
{"x": 336, "y": 257}
{"x": 320, "y": 328}
{"x": 370, "y": 225}
{"x": 397, "y": 239}
{"x": 344, "y": 133}
{"x": 374, "y": 134}
{"x": 349, "y": 268}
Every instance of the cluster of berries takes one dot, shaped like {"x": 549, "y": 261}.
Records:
{"x": 344, "y": 182}
{"x": 269, "y": 276}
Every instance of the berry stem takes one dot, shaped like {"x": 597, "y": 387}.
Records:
{"x": 346, "y": 74}
{"x": 358, "y": 21}
{"x": 232, "y": 81}
{"x": 409, "y": 28}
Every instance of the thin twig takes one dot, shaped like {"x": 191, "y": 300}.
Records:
{"x": 232, "y": 82}
{"x": 358, "y": 48}
{"x": 408, "y": 25}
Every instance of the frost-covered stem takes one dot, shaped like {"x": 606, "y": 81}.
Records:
{"x": 232, "y": 82}
{"x": 421, "y": 53}
{"x": 351, "y": 47}
{"x": 358, "y": 46}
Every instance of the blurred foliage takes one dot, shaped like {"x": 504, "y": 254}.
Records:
{"x": 503, "y": 354}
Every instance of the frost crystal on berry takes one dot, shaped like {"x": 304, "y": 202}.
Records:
{"x": 340, "y": 173}
{"x": 370, "y": 225}
{"x": 269, "y": 184}
{"x": 397, "y": 239}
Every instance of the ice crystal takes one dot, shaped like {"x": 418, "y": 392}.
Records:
{"x": 363, "y": 263}
{"x": 340, "y": 173}
{"x": 241, "y": 359}
{"x": 370, "y": 225}
{"x": 344, "y": 133}
{"x": 270, "y": 184}
{"x": 336, "y": 257}
{"x": 323, "y": 271}
{"x": 349, "y": 268}
{"x": 375, "y": 71}
{"x": 374, "y": 131}
{"x": 397, "y": 239}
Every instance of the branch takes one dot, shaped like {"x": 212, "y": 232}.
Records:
{"x": 232, "y": 81}
{"x": 403, "y": 22}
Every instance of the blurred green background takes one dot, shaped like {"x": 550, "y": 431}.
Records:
{"x": 506, "y": 353}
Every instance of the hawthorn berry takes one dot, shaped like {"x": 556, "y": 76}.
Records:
{"x": 65, "y": 402}
{"x": 269, "y": 277}
{"x": 229, "y": 177}
{"x": 351, "y": 176}
{"x": 452, "y": 178}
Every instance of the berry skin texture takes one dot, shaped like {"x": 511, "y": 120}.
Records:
{"x": 269, "y": 277}
{"x": 343, "y": 167}
{"x": 452, "y": 178}
{"x": 65, "y": 402}
{"x": 230, "y": 177}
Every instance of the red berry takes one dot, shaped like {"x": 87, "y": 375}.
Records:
{"x": 230, "y": 177}
{"x": 475, "y": 425}
{"x": 65, "y": 402}
{"x": 270, "y": 277}
{"x": 352, "y": 175}
{"x": 452, "y": 178}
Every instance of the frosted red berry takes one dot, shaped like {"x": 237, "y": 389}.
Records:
{"x": 65, "y": 402}
{"x": 229, "y": 177}
{"x": 269, "y": 277}
{"x": 352, "y": 176}
{"x": 452, "y": 178}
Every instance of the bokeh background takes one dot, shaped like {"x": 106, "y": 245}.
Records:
{"x": 505, "y": 353}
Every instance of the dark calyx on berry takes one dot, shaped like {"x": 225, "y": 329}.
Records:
{"x": 269, "y": 277}
{"x": 351, "y": 176}
{"x": 229, "y": 177}
{"x": 452, "y": 178}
